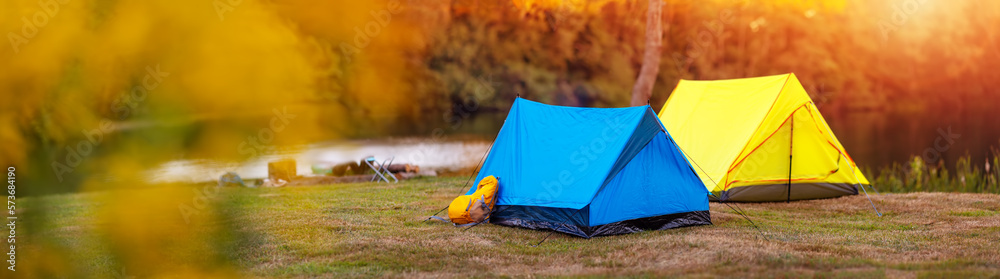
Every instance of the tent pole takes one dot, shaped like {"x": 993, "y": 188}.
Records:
{"x": 791, "y": 137}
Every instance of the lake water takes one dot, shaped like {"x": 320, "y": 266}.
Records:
{"x": 440, "y": 155}
{"x": 873, "y": 139}
{"x": 878, "y": 139}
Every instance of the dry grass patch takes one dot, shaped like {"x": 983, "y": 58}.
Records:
{"x": 364, "y": 230}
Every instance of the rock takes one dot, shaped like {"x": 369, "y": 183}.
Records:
{"x": 231, "y": 179}
{"x": 401, "y": 168}
{"x": 284, "y": 169}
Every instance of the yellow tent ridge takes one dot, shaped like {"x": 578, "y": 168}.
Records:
{"x": 759, "y": 139}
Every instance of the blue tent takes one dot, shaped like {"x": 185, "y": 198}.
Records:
{"x": 591, "y": 172}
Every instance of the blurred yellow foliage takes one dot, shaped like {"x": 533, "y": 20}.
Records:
{"x": 149, "y": 64}
{"x": 116, "y": 87}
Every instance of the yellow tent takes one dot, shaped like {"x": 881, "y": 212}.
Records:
{"x": 759, "y": 139}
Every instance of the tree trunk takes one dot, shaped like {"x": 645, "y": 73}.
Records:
{"x": 651, "y": 58}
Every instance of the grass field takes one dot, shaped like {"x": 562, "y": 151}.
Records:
{"x": 360, "y": 230}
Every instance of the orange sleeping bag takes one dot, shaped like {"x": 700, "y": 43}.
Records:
{"x": 475, "y": 208}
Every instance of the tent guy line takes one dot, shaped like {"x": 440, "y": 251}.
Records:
{"x": 473, "y": 174}
{"x": 740, "y": 211}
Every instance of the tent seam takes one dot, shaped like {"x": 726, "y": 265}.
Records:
{"x": 610, "y": 175}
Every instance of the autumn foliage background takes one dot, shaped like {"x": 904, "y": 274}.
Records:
{"x": 350, "y": 69}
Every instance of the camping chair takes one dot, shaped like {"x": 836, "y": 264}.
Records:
{"x": 381, "y": 169}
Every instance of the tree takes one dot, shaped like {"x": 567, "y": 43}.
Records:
{"x": 651, "y": 57}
